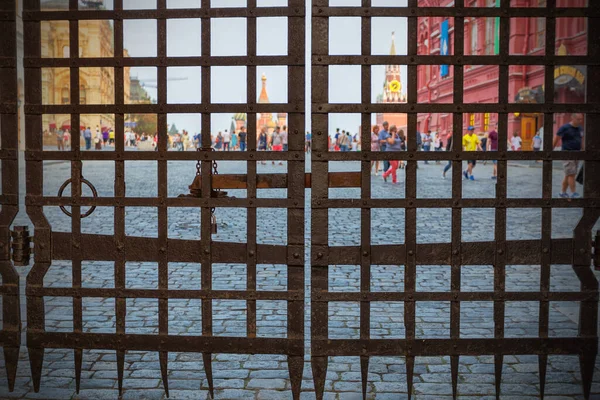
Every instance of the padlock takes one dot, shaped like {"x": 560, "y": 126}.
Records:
{"x": 213, "y": 224}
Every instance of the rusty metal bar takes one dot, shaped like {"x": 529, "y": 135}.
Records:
{"x": 10, "y": 334}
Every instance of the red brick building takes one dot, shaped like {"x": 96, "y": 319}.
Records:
{"x": 526, "y": 83}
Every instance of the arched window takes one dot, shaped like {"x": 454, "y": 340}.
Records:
{"x": 82, "y": 94}
{"x": 65, "y": 95}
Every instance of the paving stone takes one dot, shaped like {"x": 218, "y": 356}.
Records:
{"x": 266, "y": 384}
{"x": 266, "y": 376}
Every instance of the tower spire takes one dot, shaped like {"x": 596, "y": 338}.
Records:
{"x": 393, "y": 48}
{"x": 263, "y": 98}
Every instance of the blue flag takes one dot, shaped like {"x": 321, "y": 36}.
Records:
{"x": 444, "y": 46}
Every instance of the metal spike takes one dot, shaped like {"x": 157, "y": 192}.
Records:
{"x": 120, "y": 368}
{"x": 36, "y": 361}
{"x": 296, "y": 367}
{"x": 410, "y": 369}
{"x": 207, "y": 360}
{"x": 586, "y": 365}
{"x": 498, "y": 360}
{"x": 11, "y": 361}
{"x": 319, "y": 370}
{"x": 163, "y": 357}
{"x": 454, "y": 373}
{"x": 543, "y": 364}
{"x": 364, "y": 374}
{"x": 78, "y": 362}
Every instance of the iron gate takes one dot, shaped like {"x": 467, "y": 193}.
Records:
{"x": 120, "y": 248}
{"x": 498, "y": 253}
{"x": 77, "y": 247}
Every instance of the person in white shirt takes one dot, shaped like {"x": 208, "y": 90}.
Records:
{"x": 226, "y": 140}
{"x": 515, "y": 142}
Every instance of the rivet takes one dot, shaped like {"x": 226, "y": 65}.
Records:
{"x": 455, "y": 252}
{"x": 319, "y": 133}
{"x": 206, "y": 251}
{"x": 296, "y": 255}
{"x": 297, "y": 156}
{"x": 545, "y": 250}
{"x": 319, "y": 255}
{"x": 410, "y": 252}
{"x": 500, "y": 251}
{"x": 365, "y": 253}
{"x": 251, "y": 252}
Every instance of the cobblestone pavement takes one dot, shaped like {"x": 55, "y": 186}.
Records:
{"x": 266, "y": 376}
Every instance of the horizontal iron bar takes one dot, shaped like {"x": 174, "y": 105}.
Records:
{"x": 164, "y": 108}
{"x": 212, "y": 344}
{"x": 518, "y": 252}
{"x": 318, "y": 59}
{"x": 444, "y": 347}
{"x": 462, "y": 203}
{"x": 170, "y": 202}
{"x": 453, "y": 155}
{"x": 37, "y": 155}
{"x": 194, "y": 202}
{"x": 179, "y": 250}
{"x": 81, "y": 15}
{"x": 169, "y": 155}
{"x": 289, "y": 295}
{"x": 317, "y": 296}
{"x": 452, "y": 12}
{"x": 31, "y": 62}
{"x": 406, "y": 108}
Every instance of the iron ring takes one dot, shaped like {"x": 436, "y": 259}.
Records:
{"x": 94, "y": 194}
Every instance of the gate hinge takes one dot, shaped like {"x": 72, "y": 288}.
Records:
{"x": 21, "y": 246}
{"x": 596, "y": 249}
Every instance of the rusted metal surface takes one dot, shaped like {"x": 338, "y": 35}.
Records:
{"x": 119, "y": 248}
{"x": 10, "y": 335}
{"x": 21, "y": 245}
{"x": 500, "y": 252}
{"x": 76, "y": 246}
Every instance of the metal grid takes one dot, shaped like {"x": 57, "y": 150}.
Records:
{"x": 500, "y": 252}
{"x": 120, "y": 248}
{"x": 10, "y": 334}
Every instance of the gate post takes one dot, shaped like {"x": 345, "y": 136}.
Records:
{"x": 10, "y": 334}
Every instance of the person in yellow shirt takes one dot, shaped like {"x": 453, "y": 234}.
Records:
{"x": 470, "y": 142}
{"x": 111, "y": 137}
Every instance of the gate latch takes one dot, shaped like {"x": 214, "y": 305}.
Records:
{"x": 596, "y": 247}
{"x": 21, "y": 250}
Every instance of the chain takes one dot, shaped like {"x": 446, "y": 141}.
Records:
{"x": 198, "y": 165}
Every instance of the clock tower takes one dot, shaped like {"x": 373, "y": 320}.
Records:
{"x": 393, "y": 92}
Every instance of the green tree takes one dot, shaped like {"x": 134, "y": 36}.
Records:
{"x": 173, "y": 130}
{"x": 145, "y": 123}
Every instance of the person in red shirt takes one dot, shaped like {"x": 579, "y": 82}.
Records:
{"x": 492, "y": 145}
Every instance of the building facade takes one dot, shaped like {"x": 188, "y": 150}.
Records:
{"x": 526, "y": 82}
{"x": 96, "y": 84}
